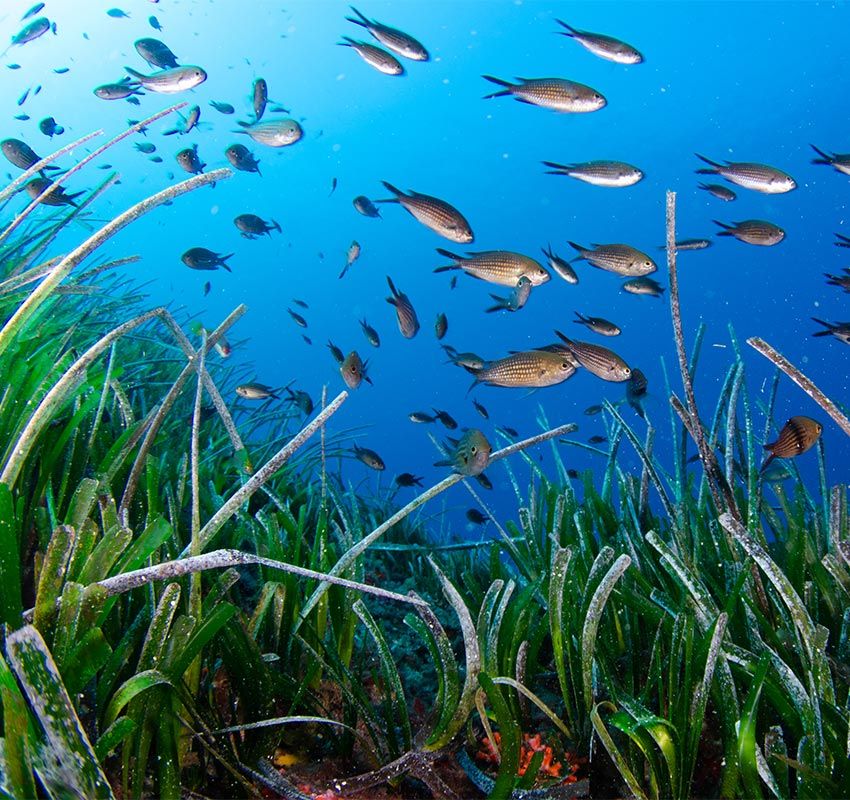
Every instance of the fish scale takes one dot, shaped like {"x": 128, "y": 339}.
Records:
{"x": 501, "y": 267}
{"x": 528, "y": 368}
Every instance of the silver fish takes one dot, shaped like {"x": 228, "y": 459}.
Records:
{"x": 502, "y": 267}
{"x": 515, "y": 300}
{"x": 753, "y": 231}
{"x": 260, "y": 96}
{"x": 598, "y": 360}
{"x": 375, "y": 57}
{"x": 369, "y": 457}
{"x": 604, "y": 46}
{"x": 396, "y": 40}
{"x": 840, "y": 330}
{"x": 256, "y": 391}
{"x": 643, "y": 285}
{"x": 842, "y": 280}
{"x": 116, "y": 91}
{"x": 840, "y": 161}
{"x": 526, "y": 369}
{"x": 718, "y": 191}
{"x": 610, "y": 174}
{"x": 621, "y": 259}
{"x": 561, "y": 267}
{"x": 170, "y": 81}
{"x": 556, "y": 94}
{"x": 749, "y": 175}
{"x": 433, "y": 213}
{"x": 408, "y": 323}
{"x": 598, "y": 325}
{"x": 469, "y": 455}
{"x": 275, "y": 133}
{"x": 352, "y": 254}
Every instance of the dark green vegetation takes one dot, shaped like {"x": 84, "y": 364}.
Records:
{"x": 689, "y": 620}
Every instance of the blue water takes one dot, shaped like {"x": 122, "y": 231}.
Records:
{"x": 749, "y": 82}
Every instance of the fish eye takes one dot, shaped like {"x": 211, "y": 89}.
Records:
{"x": 473, "y": 449}
{"x": 647, "y": 263}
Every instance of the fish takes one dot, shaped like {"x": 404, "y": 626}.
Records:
{"x": 750, "y": 175}
{"x": 274, "y": 133}
{"x": 353, "y": 370}
{"x": 117, "y": 91}
{"x": 441, "y": 325}
{"x": 445, "y": 418}
{"x": 49, "y": 127}
{"x": 840, "y": 330}
{"x": 502, "y": 267}
{"x": 363, "y": 205}
{"x": 465, "y": 360}
{"x": 189, "y": 160}
{"x": 31, "y": 32}
{"x": 170, "y": 81}
{"x": 241, "y": 158}
{"x": 32, "y": 11}
{"x": 438, "y": 215}
{"x": 21, "y": 155}
{"x": 469, "y": 455}
{"x": 189, "y": 122}
{"x": 840, "y": 161}
{"x": 351, "y": 255}
{"x": 375, "y": 57}
{"x": 476, "y": 517}
{"x": 117, "y": 13}
{"x": 604, "y": 46}
{"x": 753, "y": 231}
{"x": 408, "y": 479}
{"x": 369, "y": 457}
{"x": 718, "y": 191}
{"x": 399, "y": 42}
{"x": 62, "y": 70}
{"x": 598, "y": 360}
{"x": 154, "y": 23}
{"x": 842, "y": 281}
{"x": 207, "y": 287}
{"x": 251, "y": 226}
{"x": 13, "y": 66}
{"x": 775, "y": 473}
{"x": 555, "y": 94}
{"x": 592, "y": 411}
{"x": 334, "y": 184}
{"x": 202, "y": 259}
{"x": 145, "y": 147}
{"x": 843, "y": 241}
{"x": 480, "y": 409}
{"x": 621, "y": 259}
{"x": 299, "y": 320}
{"x": 636, "y": 390}
{"x": 337, "y": 354}
{"x": 370, "y": 333}
{"x": 259, "y": 97}
{"x": 484, "y": 481}
{"x": 256, "y": 391}
{"x": 23, "y": 98}
{"x": 408, "y": 323}
{"x": 515, "y": 300}
{"x": 597, "y": 439}
{"x": 301, "y": 400}
{"x": 22, "y": 117}
{"x": 222, "y": 346}
{"x": 797, "y": 436}
{"x": 58, "y": 197}
{"x": 560, "y": 267}
{"x": 598, "y": 325}
{"x": 300, "y": 303}
{"x": 689, "y": 244}
{"x": 156, "y": 159}
{"x": 643, "y": 285}
{"x": 156, "y": 53}
{"x": 510, "y": 431}
{"x": 531, "y": 369}
{"x": 572, "y": 473}
{"x": 609, "y": 174}
{"x": 421, "y": 417}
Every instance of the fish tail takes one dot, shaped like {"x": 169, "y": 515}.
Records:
{"x": 344, "y": 270}
{"x": 347, "y": 41}
{"x": 393, "y": 290}
{"x": 581, "y": 250}
{"x": 392, "y": 190}
{"x": 827, "y": 325}
{"x": 581, "y": 318}
{"x": 451, "y": 255}
{"x": 501, "y": 304}
{"x": 555, "y": 168}
{"x": 824, "y": 158}
{"x": 134, "y": 73}
{"x": 726, "y": 228}
{"x": 276, "y": 226}
{"x": 845, "y": 240}
{"x": 707, "y": 161}
{"x": 564, "y": 339}
{"x": 223, "y": 261}
{"x": 363, "y": 21}
{"x": 767, "y": 461}
{"x": 499, "y": 82}
{"x": 571, "y": 31}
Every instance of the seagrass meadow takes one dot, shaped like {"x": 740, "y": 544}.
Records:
{"x": 195, "y": 605}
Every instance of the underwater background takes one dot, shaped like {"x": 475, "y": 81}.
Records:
{"x": 744, "y": 81}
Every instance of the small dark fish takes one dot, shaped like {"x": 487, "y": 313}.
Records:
{"x": 408, "y": 323}
{"x": 561, "y": 267}
{"x": 369, "y": 457}
{"x": 202, "y": 259}
{"x": 301, "y": 400}
{"x": 433, "y": 213}
{"x": 353, "y": 370}
{"x": 207, "y": 287}
{"x": 842, "y": 281}
{"x": 556, "y": 94}
{"x": 62, "y": 70}
{"x": 597, "y": 439}
{"x": 749, "y": 175}
{"x": 366, "y": 207}
{"x": 606, "y": 47}
{"x": 155, "y": 159}
{"x": 32, "y": 11}
{"x": 398, "y": 41}
{"x": 154, "y": 23}
{"x": 843, "y": 241}
{"x": 408, "y": 479}
{"x": 469, "y": 455}
{"x": 753, "y": 231}
{"x": 598, "y": 325}
{"x": 480, "y": 409}
{"x": 117, "y": 91}
{"x": 337, "y": 354}
{"x": 156, "y": 53}
{"x": 453, "y": 282}
{"x": 59, "y": 197}
{"x": 189, "y": 160}
{"x": 241, "y": 158}
{"x": 260, "y": 96}
{"x": 572, "y": 473}
{"x": 256, "y": 391}
{"x": 117, "y": 13}
{"x": 476, "y": 517}
{"x": 22, "y": 117}
{"x": 38, "y": 27}
{"x": 13, "y": 66}
{"x": 306, "y": 338}
{"x": 352, "y": 254}
{"x": 251, "y": 226}
{"x": 621, "y": 259}
{"x": 592, "y": 411}
{"x": 370, "y": 333}
{"x": 421, "y": 417}
{"x": 484, "y": 481}
{"x": 511, "y": 431}
{"x": 300, "y": 303}
{"x": 840, "y": 161}
{"x": 133, "y": 101}
{"x": 107, "y": 166}
{"x": 23, "y": 98}
{"x": 718, "y": 191}
{"x": 333, "y": 187}
{"x": 840, "y": 330}
{"x": 690, "y": 244}
{"x": 441, "y": 325}
{"x": 636, "y": 389}
{"x": 375, "y": 57}
{"x": 299, "y": 320}
{"x": 145, "y": 147}
{"x": 515, "y": 300}
{"x": 609, "y": 174}
{"x": 643, "y": 285}
{"x": 797, "y": 435}
{"x": 222, "y": 108}
{"x": 446, "y": 418}
{"x": 189, "y": 123}
{"x": 37, "y": 90}
{"x": 598, "y": 360}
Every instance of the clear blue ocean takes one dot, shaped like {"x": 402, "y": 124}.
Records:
{"x": 751, "y": 82}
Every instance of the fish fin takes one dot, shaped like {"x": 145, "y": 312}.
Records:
{"x": 276, "y": 226}
{"x": 451, "y": 255}
{"x": 134, "y": 73}
{"x": 827, "y": 325}
{"x": 564, "y": 339}
{"x": 392, "y": 189}
{"x": 581, "y": 318}
{"x": 577, "y": 247}
{"x": 768, "y": 460}
{"x": 364, "y": 20}
{"x": 556, "y": 169}
{"x": 726, "y": 228}
{"x": 497, "y": 81}
{"x": 443, "y": 463}
{"x": 824, "y": 158}
{"x": 707, "y": 161}
{"x": 348, "y": 42}
{"x": 392, "y": 288}
{"x": 503, "y": 92}
{"x": 448, "y": 268}
{"x": 344, "y": 270}
{"x": 502, "y": 304}
{"x": 571, "y": 31}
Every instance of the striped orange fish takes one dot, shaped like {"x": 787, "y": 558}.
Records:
{"x": 797, "y": 435}
{"x": 408, "y": 322}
